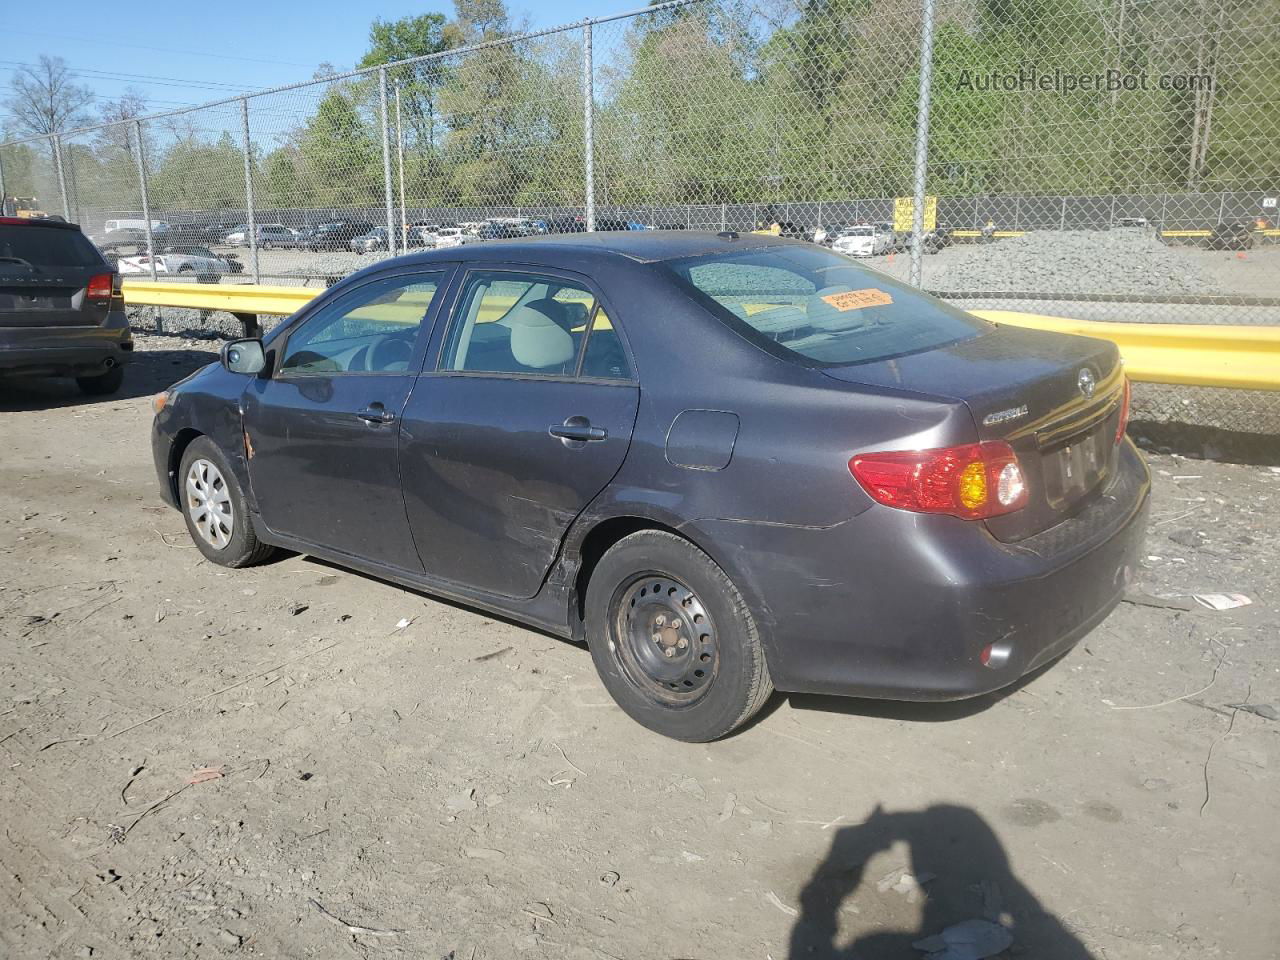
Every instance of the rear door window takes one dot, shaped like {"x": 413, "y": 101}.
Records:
{"x": 820, "y": 307}
{"x": 47, "y": 247}
{"x": 519, "y": 323}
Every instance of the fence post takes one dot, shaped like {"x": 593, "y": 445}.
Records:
{"x": 251, "y": 226}
{"x": 4, "y": 212}
{"x": 404, "y": 217}
{"x": 922, "y": 140}
{"x": 1062, "y": 217}
{"x": 140, "y": 160}
{"x": 386, "y": 162}
{"x": 588, "y": 125}
{"x": 62, "y": 179}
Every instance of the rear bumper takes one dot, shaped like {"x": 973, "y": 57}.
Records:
{"x": 64, "y": 351}
{"x": 900, "y": 606}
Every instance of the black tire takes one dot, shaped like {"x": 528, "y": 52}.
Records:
{"x": 242, "y": 548}
{"x": 697, "y": 692}
{"x": 103, "y": 383}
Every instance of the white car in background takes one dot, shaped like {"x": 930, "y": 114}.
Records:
{"x": 200, "y": 263}
{"x": 452, "y": 237}
{"x": 865, "y": 240}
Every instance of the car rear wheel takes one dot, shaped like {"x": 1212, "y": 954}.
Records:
{"x": 673, "y": 640}
{"x": 103, "y": 383}
{"x": 215, "y": 508}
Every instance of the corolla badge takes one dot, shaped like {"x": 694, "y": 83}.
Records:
{"x": 1003, "y": 416}
{"x": 1086, "y": 383}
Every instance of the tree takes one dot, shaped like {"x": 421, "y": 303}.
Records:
{"x": 45, "y": 99}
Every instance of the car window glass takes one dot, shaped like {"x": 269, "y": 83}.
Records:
{"x": 518, "y": 323}
{"x": 820, "y": 306}
{"x": 605, "y": 358}
{"x": 48, "y": 246}
{"x": 372, "y": 329}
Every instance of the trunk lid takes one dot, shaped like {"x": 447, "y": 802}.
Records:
{"x": 1054, "y": 398}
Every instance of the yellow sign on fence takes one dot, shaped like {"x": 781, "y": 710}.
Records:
{"x": 904, "y": 209}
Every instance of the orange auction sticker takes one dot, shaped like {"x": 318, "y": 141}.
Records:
{"x": 857, "y": 299}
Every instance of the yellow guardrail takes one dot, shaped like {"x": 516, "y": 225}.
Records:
{"x": 1205, "y": 355}
{"x": 970, "y": 234}
{"x": 234, "y": 298}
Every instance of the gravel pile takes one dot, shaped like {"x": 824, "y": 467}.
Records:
{"x": 1070, "y": 261}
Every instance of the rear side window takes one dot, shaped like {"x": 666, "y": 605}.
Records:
{"x": 48, "y": 247}
{"x": 821, "y": 307}
{"x": 519, "y": 323}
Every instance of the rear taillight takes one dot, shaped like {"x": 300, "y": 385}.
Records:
{"x": 102, "y": 286}
{"x": 973, "y": 481}
{"x": 1124, "y": 411}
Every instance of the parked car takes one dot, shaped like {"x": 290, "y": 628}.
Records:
{"x": 1232, "y": 236}
{"x": 61, "y": 312}
{"x": 452, "y": 237}
{"x": 837, "y": 484}
{"x": 121, "y": 236}
{"x": 269, "y": 235}
{"x": 157, "y": 226}
{"x": 422, "y": 233}
{"x": 579, "y": 225}
{"x": 179, "y": 260}
{"x": 375, "y": 239}
{"x": 864, "y": 240}
{"x": 335, "y": 236}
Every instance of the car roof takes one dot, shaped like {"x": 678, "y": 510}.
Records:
{"x": 38, "y": 222}
{"x": 641, "y": 246}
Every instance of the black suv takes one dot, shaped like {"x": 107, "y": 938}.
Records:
{"x": 61, "y": 311}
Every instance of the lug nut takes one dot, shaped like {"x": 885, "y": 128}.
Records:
{"x": 669, "y": 652}
{"x": 675, "y": 624}
{"x": 682, "y": 643}
{"x": 657, "y": 638}
{"x": 660, "y": 619}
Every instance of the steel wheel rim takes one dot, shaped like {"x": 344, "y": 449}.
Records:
{"x": 209, "y": 503}
{"x": 664, "y": 639}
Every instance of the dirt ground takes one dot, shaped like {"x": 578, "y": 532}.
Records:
{"x": 197, "y": 762}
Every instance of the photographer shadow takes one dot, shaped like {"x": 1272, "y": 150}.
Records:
{"x": 971, "y": 878}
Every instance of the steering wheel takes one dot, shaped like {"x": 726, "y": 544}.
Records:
{"x": 389, "y": 351}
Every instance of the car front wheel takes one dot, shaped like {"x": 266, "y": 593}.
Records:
{"x": 215, "y": 508}
{"x": 673, "y": 640}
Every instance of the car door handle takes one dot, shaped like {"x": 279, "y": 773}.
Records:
{"x": 376, "y": 413}
{"x": 577, "y": 428}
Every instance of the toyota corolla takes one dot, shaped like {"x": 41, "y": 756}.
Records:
{"x": 730, "y": 464}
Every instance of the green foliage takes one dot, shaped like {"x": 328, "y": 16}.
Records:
{"x": 719, "y": 103}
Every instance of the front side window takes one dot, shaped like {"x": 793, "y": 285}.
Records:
{"x": 518, "y": 323}
{"x": 821, "y": 307}
{"x": 372, "y": 329}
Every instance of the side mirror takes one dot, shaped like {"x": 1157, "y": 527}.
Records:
{"x": 244, "y": 356}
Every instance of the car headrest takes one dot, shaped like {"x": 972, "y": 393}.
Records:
{"x": 537, "y": 339}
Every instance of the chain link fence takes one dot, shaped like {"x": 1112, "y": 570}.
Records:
{"x": 1098, "y": 159}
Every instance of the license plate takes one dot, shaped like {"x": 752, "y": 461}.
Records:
{"x": 1075, "y": 469}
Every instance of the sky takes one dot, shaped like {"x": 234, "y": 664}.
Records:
{"x": 211, "y": 49}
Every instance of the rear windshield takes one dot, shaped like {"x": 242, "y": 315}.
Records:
{"x": 821, "y": 306}
{"x": 48, "y": 247}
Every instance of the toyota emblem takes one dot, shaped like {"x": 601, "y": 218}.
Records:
{"x": 1086, "y": 383}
